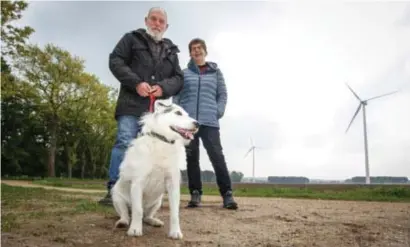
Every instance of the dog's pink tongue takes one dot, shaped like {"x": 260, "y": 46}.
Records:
{"x": 189, "y": 135}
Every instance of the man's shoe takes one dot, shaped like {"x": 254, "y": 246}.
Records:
{"x": 195, "y": 199}
{"x": 228, "y": 201}
{"x": 106, "y": 201}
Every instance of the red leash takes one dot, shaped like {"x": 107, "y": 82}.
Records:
{"x": 151, "y": 102}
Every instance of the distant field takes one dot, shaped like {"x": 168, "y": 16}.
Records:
{"x": 359, "y": 192}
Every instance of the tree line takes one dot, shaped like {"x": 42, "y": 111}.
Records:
{"x": 357, "y": 179}
{"x": 379, "y": 180}
{"x": 208, "y": 176}
{"x": 288, "y": 180}
{"x": 56, "y": 118}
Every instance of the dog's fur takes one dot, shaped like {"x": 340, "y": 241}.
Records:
{"x": 151, "y": 166}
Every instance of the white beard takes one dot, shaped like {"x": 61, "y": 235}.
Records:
{"x": 157, "y": 36}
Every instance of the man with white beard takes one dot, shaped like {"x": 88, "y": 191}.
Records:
{"x": 145, "y": 64}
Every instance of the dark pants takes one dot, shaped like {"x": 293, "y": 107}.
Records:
{"x": 211, "y": 140}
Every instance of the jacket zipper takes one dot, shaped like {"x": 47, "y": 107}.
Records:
{"x": 197, "y": 97}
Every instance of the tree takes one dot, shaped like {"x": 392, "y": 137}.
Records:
{"x": 22, "y": 131}
{"x": 13, "y": 38}
{"x": 55, "y": 76}
{"x": 93, "y": 114}
{"x": 208, "y": 176}
{"x": 236, "y": 176}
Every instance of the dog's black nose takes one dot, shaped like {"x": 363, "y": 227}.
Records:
{"x": 196, "y": 124}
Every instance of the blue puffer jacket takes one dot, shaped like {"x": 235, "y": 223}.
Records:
{"x": 203, "y": 96}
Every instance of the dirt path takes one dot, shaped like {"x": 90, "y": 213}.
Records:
{"x": 30, "y": 184}
{"x": 258, "y": 222}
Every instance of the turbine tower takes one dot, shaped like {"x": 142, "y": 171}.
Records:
{"x": 363, "y": 104}
{"x": 252, "y": 148}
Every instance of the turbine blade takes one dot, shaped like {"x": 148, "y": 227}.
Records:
{"x": 357, "y": 97}
{"x": 248, "y": 152}
{"x": 355, "y": 114}
{"x": 251, "y": 141}
{"x": 383, "y": 95}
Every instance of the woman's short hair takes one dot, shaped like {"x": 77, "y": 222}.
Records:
{"x": 195, "y": 42}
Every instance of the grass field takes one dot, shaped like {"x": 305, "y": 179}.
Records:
{"x": 393, "y": 193}
{"x": 21, "y": 204}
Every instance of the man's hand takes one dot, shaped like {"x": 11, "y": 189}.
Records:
{"x": 156, "y": 91}
{"x": 143, "y": 89}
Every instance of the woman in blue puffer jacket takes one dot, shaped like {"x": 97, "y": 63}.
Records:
{"x": 204, "y": 97}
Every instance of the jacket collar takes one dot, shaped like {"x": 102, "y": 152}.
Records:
{"x": 211, "y": 66}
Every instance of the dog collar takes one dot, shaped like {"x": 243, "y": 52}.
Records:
{"x": 161, "y": 137}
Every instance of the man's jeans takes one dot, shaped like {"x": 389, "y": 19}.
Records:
{"x": 128, "y": 128}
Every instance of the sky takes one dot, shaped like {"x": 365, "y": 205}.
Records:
{"x": 286, "y": 66}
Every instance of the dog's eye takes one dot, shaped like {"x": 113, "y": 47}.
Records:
{"x": 178, "y": 113}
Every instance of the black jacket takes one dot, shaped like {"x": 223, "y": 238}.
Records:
{"x": 131, "y": 63}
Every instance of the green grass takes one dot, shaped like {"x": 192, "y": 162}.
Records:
{"x": 21, "y": 204}
{"x": 393, "y": 193}
{"x": 357, "y": 194}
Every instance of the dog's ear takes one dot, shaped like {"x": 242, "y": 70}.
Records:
{"x": 162, "y": 104}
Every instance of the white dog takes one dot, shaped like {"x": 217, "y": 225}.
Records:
{"x": 151, "y": 166}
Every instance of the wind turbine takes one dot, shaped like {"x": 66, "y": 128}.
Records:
{"x": 363, "y": 103}
{"x": 252, "y": 148}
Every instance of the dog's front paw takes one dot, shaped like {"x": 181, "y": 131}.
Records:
{"x": 134, "y": 231}
{"x": 177, "y": 234}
